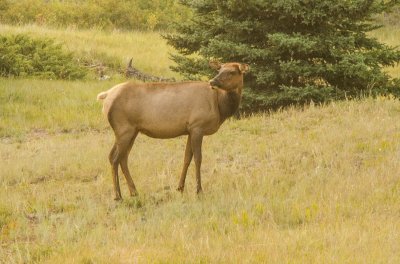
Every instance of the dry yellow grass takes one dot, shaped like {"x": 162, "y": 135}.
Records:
{"x": 314, "y": 186}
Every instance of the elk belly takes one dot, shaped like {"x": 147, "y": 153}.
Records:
{"x": 163, "y": 125}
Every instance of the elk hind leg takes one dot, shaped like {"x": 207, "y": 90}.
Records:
{"x": 125, "y": 168}
{"x": 113, "y": 158}
{"x": 122, "y": 144}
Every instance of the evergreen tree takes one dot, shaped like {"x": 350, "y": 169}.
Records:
{"x": 298, "y": 50}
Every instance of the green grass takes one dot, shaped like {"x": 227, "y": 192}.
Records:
{"x": 43, "y": 106}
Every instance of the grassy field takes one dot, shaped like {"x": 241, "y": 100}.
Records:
{"x": 313, "y": 185}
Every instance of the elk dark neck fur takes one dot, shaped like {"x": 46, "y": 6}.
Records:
{"x": 228, "y": 102}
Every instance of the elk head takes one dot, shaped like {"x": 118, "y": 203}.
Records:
{"x": 230, "y": 75}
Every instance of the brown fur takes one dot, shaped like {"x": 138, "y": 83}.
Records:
{"x": 168, "y": 110}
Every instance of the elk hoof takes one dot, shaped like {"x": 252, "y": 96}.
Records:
{"x": 118, "y": 198}
{"x": 180, "y": 189}
{"x": 199, "y": 191}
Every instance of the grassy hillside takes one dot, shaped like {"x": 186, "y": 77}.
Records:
{"x": 318, "y": 185}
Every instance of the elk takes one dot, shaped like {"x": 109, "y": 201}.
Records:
{"x": 168, "y": 110}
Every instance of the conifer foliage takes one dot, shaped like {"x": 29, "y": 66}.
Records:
{"x": 298, "y": 50}
{"x": 22, "y": 55}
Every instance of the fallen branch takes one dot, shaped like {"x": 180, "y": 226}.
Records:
{"x": 132, "y": 72}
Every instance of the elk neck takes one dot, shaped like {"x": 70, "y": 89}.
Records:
{"x": 228, "y": 102}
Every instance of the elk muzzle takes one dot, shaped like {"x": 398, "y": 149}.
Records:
{"x": 215, "y": 83}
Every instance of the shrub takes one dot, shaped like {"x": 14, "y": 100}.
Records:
{"x": 23, "y": 56}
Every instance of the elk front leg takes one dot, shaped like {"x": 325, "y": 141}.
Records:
{"x": 186, "y": 163}
{"x": 196, "y": 142}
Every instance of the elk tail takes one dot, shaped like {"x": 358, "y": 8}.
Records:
{"x": 102, "y": 96}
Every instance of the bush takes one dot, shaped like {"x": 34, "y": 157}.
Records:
{"x": 23, "y": 56}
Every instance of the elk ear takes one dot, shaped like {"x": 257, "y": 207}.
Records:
{"x": 244, "y": 68}
{"x": 216, "y": 65}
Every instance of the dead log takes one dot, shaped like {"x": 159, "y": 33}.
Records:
{"x": 132, "y": 72}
